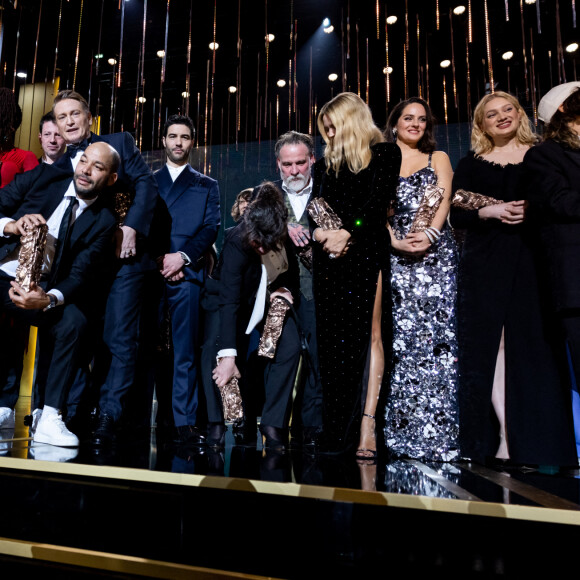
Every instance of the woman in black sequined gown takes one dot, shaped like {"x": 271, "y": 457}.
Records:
{"x": 357, "y": 178}
{"x": 511, "y": 400}
{"x": 421, "y": 418}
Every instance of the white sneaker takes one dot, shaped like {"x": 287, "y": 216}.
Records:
{"x": 52, "y": 430}
{"x": 52, "y": 453}
{"x": 6, "y": 418}
{"x": 36, "y": 415}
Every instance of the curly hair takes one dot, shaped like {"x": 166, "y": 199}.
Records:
{"x": 427, "y": 143}
{"x": 355, "y": 133}
{"x": 483, "y": 143}
{"x": 10, "y": 118}
{"x": 265, "y": 221}
{"x": 558, "y": 129}
{"x": 244, "y": 195}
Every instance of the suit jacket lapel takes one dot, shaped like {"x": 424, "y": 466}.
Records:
{"x": 178, "y": 187}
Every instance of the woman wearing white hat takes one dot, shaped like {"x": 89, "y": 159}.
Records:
{"x": 554, "y": 194}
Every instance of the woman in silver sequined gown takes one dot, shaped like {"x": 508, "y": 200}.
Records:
{"x": 421, "y": 418}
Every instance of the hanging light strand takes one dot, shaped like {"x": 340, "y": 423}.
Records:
{"x": 469, "y": 23}
{"x": 453, "y": 60}
{"x": 56, "y": 46}
{"x": 437, "y": 13}
{"x": 507, "y": 11}
{"x": 79, "y": 44}
{"x": 488, "y": 48}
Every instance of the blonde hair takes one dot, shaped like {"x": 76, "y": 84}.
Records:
{"x": 355, "y": 133}
{"x": 483, "y": 143}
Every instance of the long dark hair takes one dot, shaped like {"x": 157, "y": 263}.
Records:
{"x": 427, "y": 143}
{"x": 265, "y": 221}
{"x": 558, "y": 128}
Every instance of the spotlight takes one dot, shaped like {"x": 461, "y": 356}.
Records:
{"x": 185, "y": 94}
{"x": 160, "y": 53}
{"x": 213, "y": 45}
{"x": 326, "y": 22}
{"x": 232, "y": 89}
{"x": 572, "y": 47}
{"x": 332, "y": 77}
{"x": 328, "y": 29}
{"x": 270, "y": 37}
{"x": 391, "y": 19}
{"x": 97, "y": 56}
{"x": 388, "y": 70}
{"x": 142, "y": 99}
{"x": 507, "y": 55}
{"x": 459, "y": 10}
{"x": 445, "y": 63}
{"x": 21, "y": 75}
{"x": 530, "y": 1}
{"x": 281, "y": 83}
{"x": 112, "y": 61}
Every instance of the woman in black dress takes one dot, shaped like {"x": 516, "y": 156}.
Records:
{"x": 357, "y": 177}
{"x": 511, "y": 402}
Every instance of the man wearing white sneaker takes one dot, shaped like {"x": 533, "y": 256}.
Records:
{"x": 80, "y": 229}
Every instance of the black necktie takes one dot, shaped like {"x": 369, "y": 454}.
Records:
{"x": 64, "y": 231}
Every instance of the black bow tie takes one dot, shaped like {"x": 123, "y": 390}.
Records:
{"x": 73, "y": 148}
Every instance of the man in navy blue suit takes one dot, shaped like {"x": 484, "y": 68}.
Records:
{"x": 137, "y": 196}
{"x": 80, "y": 229}
{"x": 192, "y": 200}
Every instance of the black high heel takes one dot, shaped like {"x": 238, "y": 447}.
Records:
{"x": 216, "y": 435}
{"x": 274, "y": 438}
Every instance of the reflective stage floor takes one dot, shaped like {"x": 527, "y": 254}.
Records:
{"x": 149, "y": 509}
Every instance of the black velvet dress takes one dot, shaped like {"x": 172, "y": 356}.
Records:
{"x": 345, "y": 288}
{"x": 499, "y": 288}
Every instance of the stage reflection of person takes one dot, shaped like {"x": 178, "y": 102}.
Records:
{"x": 424, "y": 289}
{"x": 553, "y": 169}
{"x": 357, "y": 177}
{"x": 510, "y": 400}
{"x": 254, "y": 267}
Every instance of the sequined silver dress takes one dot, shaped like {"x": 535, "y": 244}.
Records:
{"x": 421, "y": 419}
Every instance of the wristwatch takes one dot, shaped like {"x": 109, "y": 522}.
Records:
{"x": 186, "y": 260}
{"x": 53, "y": 301}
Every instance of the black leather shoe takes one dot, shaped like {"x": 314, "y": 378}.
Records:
{"x": 105, "y": 431}
{"x": 311, "y": 438}
{"x": 274, "y": 438}
{"x": 190, "y": 435}
{"x": 216, "y": 435}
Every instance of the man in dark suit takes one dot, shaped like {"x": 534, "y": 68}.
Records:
{"x": 256, "y": 260}
{"x": 80, "y": 230}
{"x": 192, "y": 200}
{"x": 136, "y": 198}
{"x": 53, "y": 145}
{"x": 294, "y": 158}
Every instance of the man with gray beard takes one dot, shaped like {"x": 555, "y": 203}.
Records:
{"x": 294, "y": 158}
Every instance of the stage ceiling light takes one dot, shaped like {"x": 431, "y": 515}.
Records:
{"x": 329, "y": 29}
{"x": 530, "y": 1}
{"x": 160, "y": 53}
{"x": 142, "y": 99}
{"x": 391, "y": 19}
{"x": 507, "y": 55}
{"x": 572, "y": 47}
{"x": 214, "y": 45}
{"x": 332, "y": 77}
{"x": 99, "y": 56}
{"x": 459, "y": 10}
{"x": 326, "y": 22}
{"x": 185, "y": 94}
{"x": 281, "y": 83}
{"x": 445, "y": 63}
{"x": 270, "y": 37}
{"x": 387, "y": 70}
{"x": 112, "y": 61}
{"x": 232, "y": 89}
{"x": 21, "y": 75}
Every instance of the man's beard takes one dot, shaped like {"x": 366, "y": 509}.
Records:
{"x": 295, "y": 182}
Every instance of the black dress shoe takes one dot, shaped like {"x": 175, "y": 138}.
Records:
{"x": 216, "y": 435}
{"x": 274, "y": 438}
{"x": 105, "y": 431}
{"x": 311, "y": 438}
{"x": 189, "y": 435}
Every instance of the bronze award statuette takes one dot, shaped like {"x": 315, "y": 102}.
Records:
{"x": 428, "y": 208}
{"x": 231, "y": 400}
{"x": 323, "y": 215}
{"x": 273, "y": 327}
{"x": 32, "y": 245}
{"x": 470, "y": 200}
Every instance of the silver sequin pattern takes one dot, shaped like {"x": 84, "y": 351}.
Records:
{"x": 421, "y": 413}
